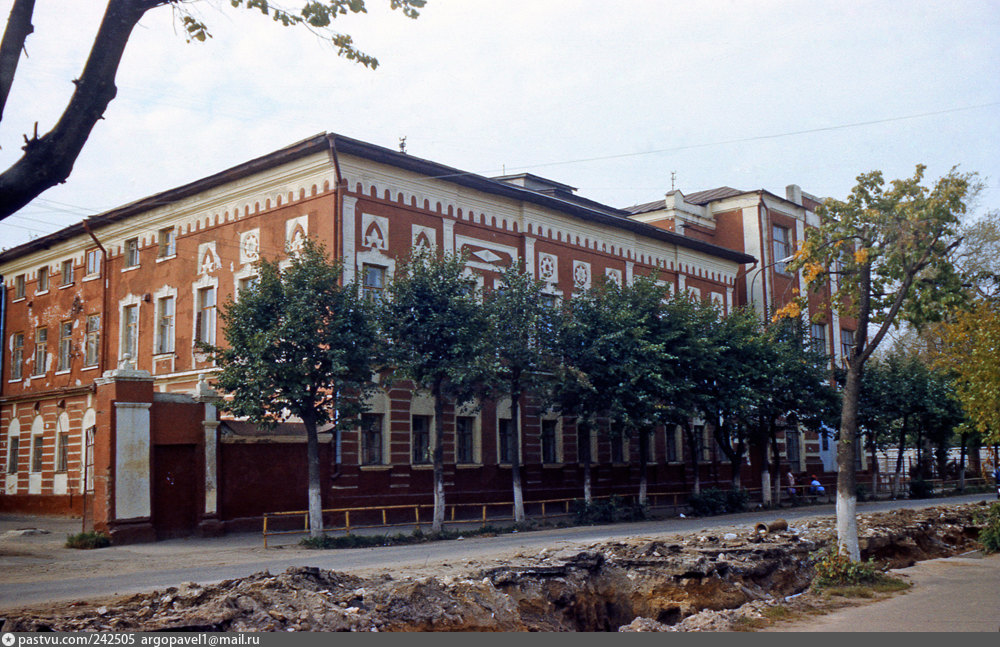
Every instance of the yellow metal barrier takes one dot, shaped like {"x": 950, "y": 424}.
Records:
{"x": 483, "y": 518}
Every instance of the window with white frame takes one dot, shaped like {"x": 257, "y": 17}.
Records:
{"x": 465, "y": 439}
{"x": 37, "y": 447}
{"x": 41, "y": 351}
{"x": 43, "y": 279}
{"x": 92, "y": 340}
{"x": 371, "y": 439}
{"x": 167, "y": 243}
{"x": 846, "y": 344}
{"x": 19, "y": 286}
{"x": 13, "y": 449}
{"x": 93, "y": 262}
{"x": 792, "y": 447}
{"x": 671, "y": 433}
{"x": 781, "y": 247}
{"x": 67, "y": 273}
{"x": 132, "y": 252}
{"x": 165, "y": 324}
{"x": 617, "y": 441}
{"x": 205, "y": 318}
{"x": 420, "y": 439}
{"x": 550, "y": 450}
{"x": 130, "y": 331}
{"x": 17, "y": 356}
{"x": 62, "y": 452}
{"x": 818, "y": 337}
{"x": 248, "y": 282}
{"x": 373, "y": 280}
{"x": 65, "y": 345}
{"x": 505, "y": 439}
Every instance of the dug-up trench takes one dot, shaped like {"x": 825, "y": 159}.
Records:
{"x": 684, "y": 583}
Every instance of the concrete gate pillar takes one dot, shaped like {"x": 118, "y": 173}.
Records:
{"x": 122, "y": 450}
{"x": 209, "y": 525}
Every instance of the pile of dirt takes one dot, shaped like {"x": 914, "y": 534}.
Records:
{"x": 689, "y": 583}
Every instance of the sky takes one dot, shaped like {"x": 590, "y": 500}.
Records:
{"x": 622, "y": 100}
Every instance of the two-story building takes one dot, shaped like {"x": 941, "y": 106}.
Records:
{"x": 104, "y": 402}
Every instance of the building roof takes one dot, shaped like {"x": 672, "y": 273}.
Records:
{"x": 339, "y": 144}
{"x": 699, "y": 198}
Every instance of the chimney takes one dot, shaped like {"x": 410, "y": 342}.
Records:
{"x": 794, "y": 193}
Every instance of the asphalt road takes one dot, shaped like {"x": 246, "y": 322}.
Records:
{"x": 136, "y": 568}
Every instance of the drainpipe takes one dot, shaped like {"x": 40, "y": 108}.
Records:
{"x": 105, "y": 324}
{"x": 338, "y": 251}
{"x": 761, "y": 210}
{"x": 3, "y": 322}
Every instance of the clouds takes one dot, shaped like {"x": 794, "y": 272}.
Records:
{"x": 488, "y": 87}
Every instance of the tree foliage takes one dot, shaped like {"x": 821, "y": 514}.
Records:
{"x": 299, "y": 344}
{"x": 889, "y": 251}
{"x": 971, "y": 352}
{"x": 48, "y": 159}
{"x": 434, "y": 324}
{"x": 521, "y": 338}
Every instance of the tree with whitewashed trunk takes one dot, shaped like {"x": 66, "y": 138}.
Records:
{"x": 299, "y": 344}
{"x": 887, "y": 253}
{"x": 521, "y": 335}
{"x": 436, "y": 326}
{"x": 615, "y": 364}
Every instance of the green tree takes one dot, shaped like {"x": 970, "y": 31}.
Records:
{"x": 616, "y": 366}
{"x": 48, "y": 159}
{"x": 791, "y": 388}
{"x": 299, "y": 344}
{"x": 971, "y": 351}
{"x": 520, "y": 332}
{"x": 889, "y": 250}
{"x": 435, "y": 326}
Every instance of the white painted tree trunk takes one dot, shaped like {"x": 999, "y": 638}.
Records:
{"x": 847, "y": 527}
{"x": 765, "y": 487}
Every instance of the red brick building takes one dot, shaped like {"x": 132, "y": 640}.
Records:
{"x": 100, "y": 322}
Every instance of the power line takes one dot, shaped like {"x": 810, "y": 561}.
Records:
{"x": 740, "y": 140}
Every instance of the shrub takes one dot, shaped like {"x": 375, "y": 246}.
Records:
{"x": 989, "y": 534}
{"x": 834, "y": 569}
{"x": 607, "y": 510}
{"x": 713, "y": 501}
{"x": 88, "y": 540}
{"x": 921, "y": 489}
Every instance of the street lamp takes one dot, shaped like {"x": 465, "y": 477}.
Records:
{"x": 757, "y": 272}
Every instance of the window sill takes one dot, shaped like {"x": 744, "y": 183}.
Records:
{"x": 91, "y": 277}
{"x": 63, "y": 372}
{"x": 41, "y": 292}
{"x": 66, "y": 285}
{"x": 89, "y": 368}
{"x": 553, "y": 466}
{"x": 160, "y": 259}
{"x": 375, "y": 468}
{"x": 421, "y": 466}
{"x": 165, "y": 354}
{"x": 20, "y": 379}
{"x": 130, "y": 268}
{"x": 468, "y": 466}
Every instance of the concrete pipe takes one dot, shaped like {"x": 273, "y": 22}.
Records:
{"x": 775, "y": 526}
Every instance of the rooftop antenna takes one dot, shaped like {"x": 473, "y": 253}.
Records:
{"x": 402, "y": 144}
{"x": 673, "y": 178}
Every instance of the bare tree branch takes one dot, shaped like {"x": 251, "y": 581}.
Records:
{"x": 48, "y": 160}
{"x": 18, "y": 28}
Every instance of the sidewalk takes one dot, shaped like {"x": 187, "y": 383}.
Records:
{"x": 952, "y": 594}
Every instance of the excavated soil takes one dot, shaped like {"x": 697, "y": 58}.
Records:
{"x": 693, "y": 582}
